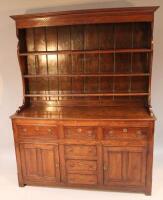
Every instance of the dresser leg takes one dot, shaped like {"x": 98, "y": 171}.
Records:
{"x": 21, "y": 185}
{"x": 148, "y": 192}
{"x": 20, "y": 181}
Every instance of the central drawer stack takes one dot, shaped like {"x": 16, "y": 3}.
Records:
{"x": 80, "y": 156}
{"x": 81, "y": 164}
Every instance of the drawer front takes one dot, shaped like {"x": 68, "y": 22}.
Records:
{"x": 37, "y": 131}
{"x": 75, "y": 166}
{"x": 80, "y": 151}
{"x": 120, "y": 133}
{"x": 82, "y": 179}
{"x": 83, "y": 133}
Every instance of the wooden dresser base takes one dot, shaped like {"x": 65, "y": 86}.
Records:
{"x": 107, "y": 155}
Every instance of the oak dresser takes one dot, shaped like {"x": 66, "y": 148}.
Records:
{"x": 86, "y": 119}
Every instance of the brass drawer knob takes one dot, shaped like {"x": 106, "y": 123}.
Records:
{"x": 105, "y": 168}
{"x": 24, "y": 130}
{"x": 90, "y": 133}
{"x": 125, "y": 130}
{"x": 111, "y": 132}
{"x": 91, "y": 151}
{"x": 57, "y": 165}
{"x": 49, "y": 130}
{"x": 139, "y": 132}
{"x": 70, "y": 150}
{"x": 79, "y": 130}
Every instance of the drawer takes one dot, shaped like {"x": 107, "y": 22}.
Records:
{"x": 83, "y": 133}
{"x": 82, "y": 179}
{"x": 80, "y": 151}
{"x": 121, "y": 132}
{"x": 86, "y": 166}
{"x": 37, "y": 131}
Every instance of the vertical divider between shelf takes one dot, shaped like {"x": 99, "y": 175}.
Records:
{"x": 47, "y": 64}
{"x": 131, "y": 59}
{"x": 99, "y": 67}
{"x": 84, "y": 57}
{"x": 58, "y": 79}
{"x": 70, "y": 29}
{"x": 36, "y": 57}
{"x": 114, "y": 61}
{"x": 150, "y": 59}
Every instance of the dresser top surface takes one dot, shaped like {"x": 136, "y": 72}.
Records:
{"x": 86, "y": 113}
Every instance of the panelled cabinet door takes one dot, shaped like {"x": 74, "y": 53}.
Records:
{"x": 40, "y": 162}
{"x": 124, "y": 166}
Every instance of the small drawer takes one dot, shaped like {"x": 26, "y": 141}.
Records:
{"x": 82, "y": 179}
{"x": 74, "y": 166}
{"x": 80, "y": 151}
{"x": 83, "y": 133}
{"x": 37, "y": 131}
{"x": 129, "y": 132}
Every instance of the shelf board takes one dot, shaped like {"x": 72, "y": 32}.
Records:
{"x": 86, "y": 75}
{"x": 141, "y": 50}
{"x": 85, "y": 95}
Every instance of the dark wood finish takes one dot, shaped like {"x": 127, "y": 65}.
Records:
{"x": 86, "y": 119}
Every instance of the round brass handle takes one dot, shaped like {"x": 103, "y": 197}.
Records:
{"x": 24, "y": 130}
{"x": 90, "y": 151}
{"x": 110, "y": 132}
{"x": 79, "y": 130}
{"x": 57, "y": 165}
{"x": 90, "y": 132}
{"x": 70, "y": 150}
{"x": 49, "y": 130}
{"x": 125, "y": 130}
{"x": 139, "y": 132}
{"x": 37, "y": 128}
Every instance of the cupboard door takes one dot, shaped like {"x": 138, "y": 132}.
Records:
{"x": 124, "y": 166}
{"x": 40, "y": 162}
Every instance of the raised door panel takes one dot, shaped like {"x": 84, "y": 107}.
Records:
{"x": 112, "y": 166}
{"x": 136, "y": 168}
{"x": 40, "y": 162}
{"x": 124, "y": 166}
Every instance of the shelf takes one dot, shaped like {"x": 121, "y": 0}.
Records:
{"x": 86, "y": 95}
{"x": 87, "y": 75}
{"x": 142, "y": 50}
{"x": 82, "y": 64}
